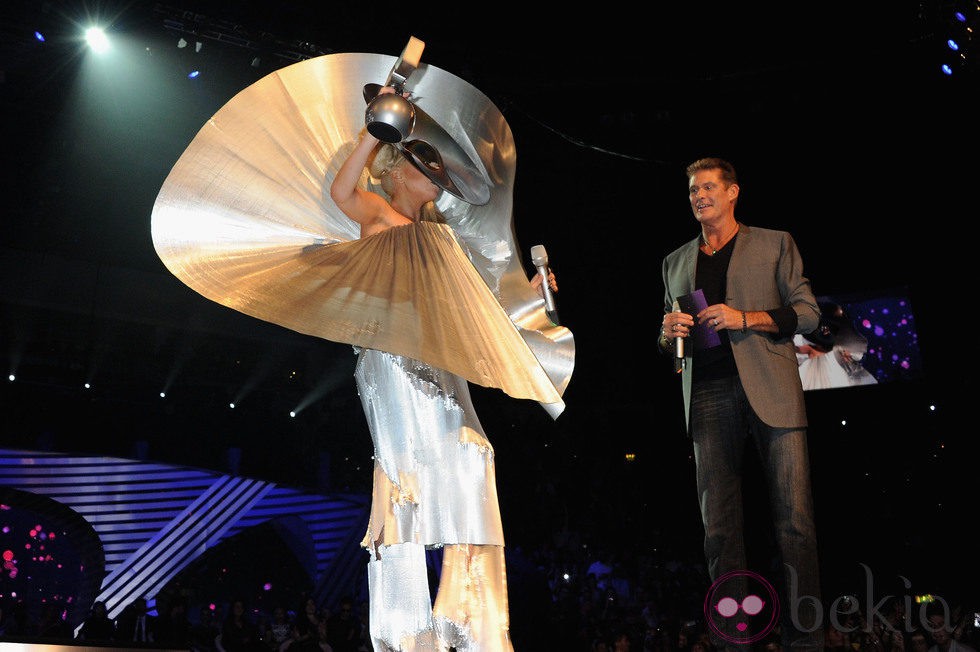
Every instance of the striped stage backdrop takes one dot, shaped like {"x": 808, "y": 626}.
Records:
{"x": 136, "y": 524}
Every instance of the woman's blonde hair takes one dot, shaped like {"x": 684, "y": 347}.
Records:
{"x": 386, "y": 158}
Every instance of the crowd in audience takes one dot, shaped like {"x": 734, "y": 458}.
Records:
{"x": 563, "y": 598}
{"x": 215, "y": 628}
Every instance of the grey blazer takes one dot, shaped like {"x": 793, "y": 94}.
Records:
{"x": 766, "y": 272}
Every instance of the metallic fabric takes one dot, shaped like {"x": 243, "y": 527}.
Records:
{"x": 433, "y": 151}
{"x": 433, "y": 479}
{"x": 474, "y": 580}
{"x": 434, "y": 486}
{"x": 400, "y": 614}
{"x": 245, "y": 219}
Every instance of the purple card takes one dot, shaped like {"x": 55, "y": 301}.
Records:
{"x": 703, "y": 335}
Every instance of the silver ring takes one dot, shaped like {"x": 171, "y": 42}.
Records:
{"x": 714, "y": 321}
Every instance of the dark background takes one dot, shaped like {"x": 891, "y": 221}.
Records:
{"x": 840, "y": 123}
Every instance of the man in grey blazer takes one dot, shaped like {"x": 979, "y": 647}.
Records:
{"x": 740, "y": 379}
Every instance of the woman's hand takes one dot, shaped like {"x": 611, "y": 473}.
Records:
{"x": 552, "y": 283}
{"x": 384, "y": 90}
{"x": 810, "y": 351}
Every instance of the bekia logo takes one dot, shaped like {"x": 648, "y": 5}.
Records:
{"x": 741, "y": 607}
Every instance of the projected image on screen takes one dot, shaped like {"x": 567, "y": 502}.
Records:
{"x": 861, "y": 340}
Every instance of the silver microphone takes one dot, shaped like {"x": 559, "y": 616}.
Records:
{"x": 540, "y": 259}
{"x": 680, "y": 361}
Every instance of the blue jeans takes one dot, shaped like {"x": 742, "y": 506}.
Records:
{"x": 721, "y": 420}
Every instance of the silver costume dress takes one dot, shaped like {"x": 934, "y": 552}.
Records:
{"x": 434, "y": 485}
{"x": 245, "y": 219}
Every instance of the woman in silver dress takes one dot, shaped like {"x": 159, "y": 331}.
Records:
{"x": 434, "y": 482}
{"x": 244, "y": 219}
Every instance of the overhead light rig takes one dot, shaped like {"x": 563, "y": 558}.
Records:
{"x": 201, "y": 26}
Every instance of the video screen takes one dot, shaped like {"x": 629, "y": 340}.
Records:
{"x": 861, "y": 340}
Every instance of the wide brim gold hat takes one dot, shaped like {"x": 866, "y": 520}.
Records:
{"x": 245, "y": 219}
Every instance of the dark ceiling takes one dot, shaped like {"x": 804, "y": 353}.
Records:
{"x": 836, "y": 115}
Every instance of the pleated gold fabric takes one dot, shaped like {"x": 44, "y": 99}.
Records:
{"x": 245, "y": 219}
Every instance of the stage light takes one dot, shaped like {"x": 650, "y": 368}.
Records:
{"x": 958, "y": 39}
{"x": 197, "y": 46}
{"x": 11, "y": 378}
{"x": 292, "y": 413}
{"x": 39, "y": 36}
{"x": 163, "y": 395}
{"x": 181, "y": 43}
{"x": 193, "y": 74}
{"x": 97, "y": 39}
{"x": 231, "y": 405}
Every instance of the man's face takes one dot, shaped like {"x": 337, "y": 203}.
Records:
{"x": 710, "y": 197}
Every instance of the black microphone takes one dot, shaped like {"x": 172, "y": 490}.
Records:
{"x": 679, "y": 360}
{"x": 540, "y": 259}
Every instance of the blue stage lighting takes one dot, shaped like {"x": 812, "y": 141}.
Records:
{"x": 193, "y": 74}
{"x": 39, "y": 36}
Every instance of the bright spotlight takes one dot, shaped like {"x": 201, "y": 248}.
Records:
{"x": 193, "y": 74}
{"x": 11, "y": 378}
{"x": 953, "y": 45}
{"x": 292, "y": 413}
{"x": 197, "y": 46}
{"x": 182, "y": 43}
{"x": 97, "y": 39}
{"x": 39, "y": 36}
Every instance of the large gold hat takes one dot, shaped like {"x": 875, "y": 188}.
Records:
{"x": 245, "y": 219}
